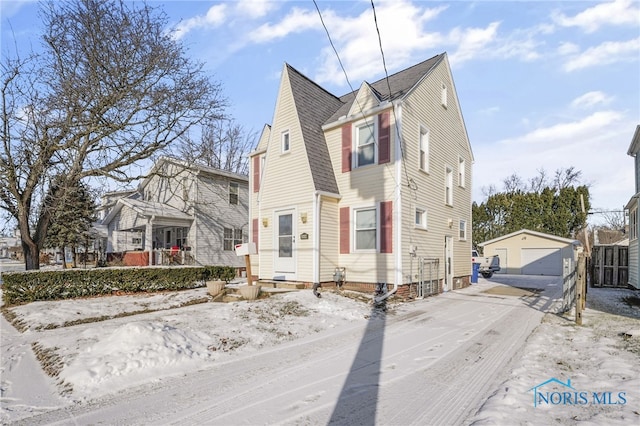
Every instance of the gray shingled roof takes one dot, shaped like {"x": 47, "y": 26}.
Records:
{"x": 316, "y": 106}
{"x": 401, "y": 83}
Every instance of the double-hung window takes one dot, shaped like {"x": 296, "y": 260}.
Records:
{"x": 461, "y": 172}
{"x": 234, "y": 190}
{"x": 232, "y": 237}
{"x": 366, "y": 231}
{"x": 462, "y": 235}
{"x": 365, "y": 143}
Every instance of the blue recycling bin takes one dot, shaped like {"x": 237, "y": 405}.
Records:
{"x": 474, "y": 273}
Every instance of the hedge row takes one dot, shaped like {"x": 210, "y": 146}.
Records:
{"x": 31, "y": 286}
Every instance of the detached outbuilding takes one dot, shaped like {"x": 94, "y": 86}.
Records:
{"x": 528, "y": 252}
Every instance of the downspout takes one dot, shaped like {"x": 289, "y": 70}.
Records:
{"x": 316, "y": 243}
{"x": 397, "y": 207}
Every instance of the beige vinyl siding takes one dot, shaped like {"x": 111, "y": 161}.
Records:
{"x": 447, "y": 143}
{"x": 364, "y": 187}
{"x": 516, "y": 244}
{"x": 330, "y": 234}
{"x": 365, "y": 100}
{"x": 284, "y": 172}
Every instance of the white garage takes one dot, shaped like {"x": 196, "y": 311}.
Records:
{"x": 528, "y": 252}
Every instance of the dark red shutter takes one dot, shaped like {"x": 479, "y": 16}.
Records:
{"x": 255, "y": 232}
{"x": 346, "y": 148}
{"x": 344, "y": 230}
{"x": 386, "y": 227}
{"x": 384, "y": 138}
{"x": 256, "y": 174}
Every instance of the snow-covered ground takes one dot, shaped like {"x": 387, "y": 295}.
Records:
{"x": 472, "y": 348}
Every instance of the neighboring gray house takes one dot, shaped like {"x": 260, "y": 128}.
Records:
{"x": 632, "y": 208}
{"x": 184, "y": 213}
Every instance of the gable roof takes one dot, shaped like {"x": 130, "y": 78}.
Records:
{"x": 534, "y": 233}
{"x": 147, "y": 209}
{"x": 313, "y": 106}
{"x": 401, "y": 84}
{"x": 198, "y": 168}
{"x": 634, "y": 147}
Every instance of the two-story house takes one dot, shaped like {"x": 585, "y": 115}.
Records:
{"x": 182, "y": 213}
{"x": 633, "y": 207}
{"x": 374, "y": 185}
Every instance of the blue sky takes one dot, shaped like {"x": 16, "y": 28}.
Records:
{"x": 542, "y": 84}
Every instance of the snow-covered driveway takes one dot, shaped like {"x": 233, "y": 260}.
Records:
{"x": 432, "y": 361}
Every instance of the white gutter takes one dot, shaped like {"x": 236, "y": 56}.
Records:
{"x": 397, "y": 208}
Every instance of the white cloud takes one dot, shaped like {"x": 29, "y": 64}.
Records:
{"x": 619, "y": 12}
{"x": 567, "y": 133}
{"x": 403, "y": 31}
{"x": 471, "y": 41}
{"x": 591, "y": 99}
{"x": 214, "y": 17}
{"x": 568, "y": 48}
{"x": 606, "y": 53}
{"x": 580, "y": 143}
{"x": 254, "y": 8}
{"x": 297, "y": 21}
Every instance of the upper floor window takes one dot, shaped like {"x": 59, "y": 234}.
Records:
{"x": 462, "y": 235}
{"x": 286, "y": 144}
{"x": 461, "y": 172}
{"x": 443, "y": 95}
{"x": 365, "y": 143}
{"x": 234, "y": 190}
{"x": 424, "y": 149}
{"x": 633, "y": 224}
{"x": 366, "y": 228}
{"x": 448, "y": 186}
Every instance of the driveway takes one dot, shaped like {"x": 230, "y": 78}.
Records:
{"x": 432, "y": 361}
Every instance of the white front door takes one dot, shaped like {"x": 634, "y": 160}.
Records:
{"x": 448, "y": 263}
{"x": 285, "y": 253}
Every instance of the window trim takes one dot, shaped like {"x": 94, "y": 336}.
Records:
{"x": 633, "y": 224}
{"x": 462, "y": 228}
{"x": 368, "y": 121}
{"x": 285, "y": 135}
{"x": 233, "y": 184}
{"x": 354, "y": 232}
{"x": 232, "y": 238}
{"x": 424, "y": 215}
{"x": 424, "y": 130}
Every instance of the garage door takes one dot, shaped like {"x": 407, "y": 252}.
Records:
{"x": 541, "y": 261}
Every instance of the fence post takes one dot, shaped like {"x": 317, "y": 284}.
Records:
{"x": 580, "y": 288}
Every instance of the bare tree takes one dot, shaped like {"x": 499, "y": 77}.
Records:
{"x": 513, "y": 183}
{"x": 224, "y": 144}
{"x": 110, "y": 89}
{"x": 565, "y": 178}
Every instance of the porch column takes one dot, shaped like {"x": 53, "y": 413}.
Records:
{"x": 148, "y": 239}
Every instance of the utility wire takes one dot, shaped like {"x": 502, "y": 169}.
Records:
{"x": 349, "y": 83}
{"x": 410, "y": 182}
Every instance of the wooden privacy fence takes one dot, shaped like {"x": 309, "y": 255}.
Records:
{"x": 610, "y": 266}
